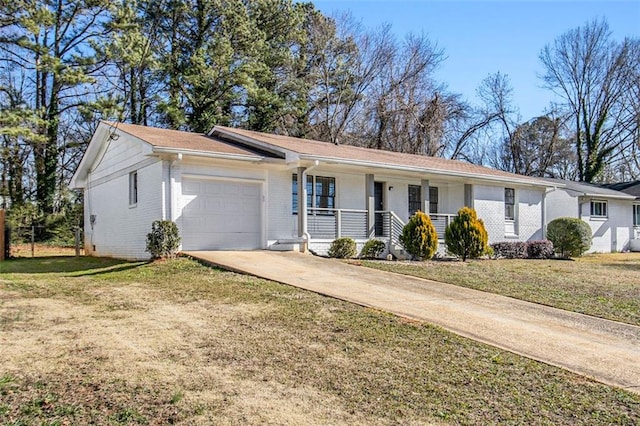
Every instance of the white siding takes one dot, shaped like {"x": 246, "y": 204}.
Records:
{"x": 120, "y": 230}
{"x": 529, "y": 214}
{"x": 609, "y": 234}
{"x": 451, "y": 198}
{"x": 613, "y": 232}
{"x": 560, "y": 203}
{"x": 281, "y": 222}
{"x": 489, "y": 204}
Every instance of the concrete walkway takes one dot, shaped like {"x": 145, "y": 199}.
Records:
{"x": 604, "y": 350}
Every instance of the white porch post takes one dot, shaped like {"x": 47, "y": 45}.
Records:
{"x": 468, "y": 195}
{"x": 302, "y": 201}
{"x": 424, "y": 187}
{"x": 371, "y": 205}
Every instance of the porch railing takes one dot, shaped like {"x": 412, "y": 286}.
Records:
{"x": 440, "y": 222}
{"x": 336, "y": 223}
{"x": 395, "y": 228}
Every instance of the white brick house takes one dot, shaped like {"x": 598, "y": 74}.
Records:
{"x": 237, "y": 189}
{"x": 612, "y": 215}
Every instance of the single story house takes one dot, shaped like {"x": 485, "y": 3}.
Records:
{"x": 614, "y": 216}
{"x": 235, "y": 189}
{"x": 631, "y": 188}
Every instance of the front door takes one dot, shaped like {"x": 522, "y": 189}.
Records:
{"x": 378, "y": 194}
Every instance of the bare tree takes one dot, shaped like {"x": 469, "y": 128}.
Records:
{"x": 539, "y": 147}
{"x": 593, "y": 74}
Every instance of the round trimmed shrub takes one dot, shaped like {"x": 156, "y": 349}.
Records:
{"x": 419, "y": 237}
{"x": 571, "y": 237}
{"x": 342, "y": 248}
{"x": 372, "y": 249}
{"x": 466, "y": 236}
{"x": 163, "y": 240}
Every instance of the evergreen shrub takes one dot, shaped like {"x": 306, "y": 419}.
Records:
{"x": 571, "y": 237}
{"x": 163, "y": 240}
{"x": 372, "y": 249}
{"x": 342, "y": 248}
{"x": 419, "y": 237}
{"x": 466, "y": 236}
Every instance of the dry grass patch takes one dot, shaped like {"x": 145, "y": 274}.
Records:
{"x": 604, "y": 285}
{"x": 132, "y": 343}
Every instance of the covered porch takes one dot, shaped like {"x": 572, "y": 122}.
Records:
{"x": 389, "y": 201}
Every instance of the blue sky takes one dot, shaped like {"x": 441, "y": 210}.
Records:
{"x": 485, "y": 36}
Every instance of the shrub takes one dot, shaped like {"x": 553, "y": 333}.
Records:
{"x": 163, "y": 240}
{"x": 510, "y": 249}
{"x": 372, "y": 249}
{"x": 419, "y": 237}
{"x": 466, "y": 235}
{"x": 540, "y": 249}
{"x": 570, "y": 236}
{"x": 342, "y": 248}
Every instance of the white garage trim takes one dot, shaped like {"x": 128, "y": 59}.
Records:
{"x": 223, "y": 178}
{"x": 190, "y": 238}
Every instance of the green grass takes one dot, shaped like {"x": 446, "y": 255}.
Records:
{"x": 606, "y": 286}
{"x": 203, "y": 344}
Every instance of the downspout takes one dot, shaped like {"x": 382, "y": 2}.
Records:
{"x": 302, "y": 207}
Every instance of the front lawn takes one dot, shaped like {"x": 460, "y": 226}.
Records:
{"x": 98, "y": 341}
{"x": 604, "y": 285}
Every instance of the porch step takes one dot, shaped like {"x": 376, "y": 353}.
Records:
{"x": 399, "y": 252}
{"x": 286, "y": 245}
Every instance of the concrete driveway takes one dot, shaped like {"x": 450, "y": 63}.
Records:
{"x": 604, "y": 350}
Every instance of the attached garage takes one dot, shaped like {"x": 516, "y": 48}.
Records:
{"x": 220, "y": 214}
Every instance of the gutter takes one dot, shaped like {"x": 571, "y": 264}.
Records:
{"x": 361, "y": 163}
{"x": 196, "y": 153}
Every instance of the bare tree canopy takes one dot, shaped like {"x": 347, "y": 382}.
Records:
{"x": 594, "y": 75}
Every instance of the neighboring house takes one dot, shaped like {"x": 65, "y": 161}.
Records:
{"x": 612, "y": 215}
{"x": 238, "y": 189}
{"x": 631, "y": 188}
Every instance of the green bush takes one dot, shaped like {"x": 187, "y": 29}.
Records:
{"x": 570, "y": 236}
{"x": 419, "y": 237}
{"x": 372, "y": 249}
{"x": 466, "y": 236}
{"x": 163, "y": 240}
{"x": 342, "y": 248}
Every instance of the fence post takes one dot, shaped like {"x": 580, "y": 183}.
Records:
{"x": 77, "y": 241}
{"x": 2, "y": 232}
{"x": 338, "y": 223}
{"x": 33, "y": 241}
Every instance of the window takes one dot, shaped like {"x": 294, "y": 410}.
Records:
{"x": 598, "y": 208}
{"x": 415, "y": 199}
{"x": 325, "y": 192}
{"x": 509, "y": 204}
{"x": 295, "y": 192}
{"x": 636, "y": 215}
{"x": 321, "y": 192}
{"x": 133, "y": 188}
{"x": 433, "y": 200}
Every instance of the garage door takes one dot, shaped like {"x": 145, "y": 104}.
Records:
{"x": 221, "y": 215}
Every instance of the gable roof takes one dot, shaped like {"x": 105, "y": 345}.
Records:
{"x": 238, "y": 144}
{"x": 308, "y": 149}
{"x": 169, "y": 140}
{"x": 632, "y": 187}
{"x": 591, "y": 190}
